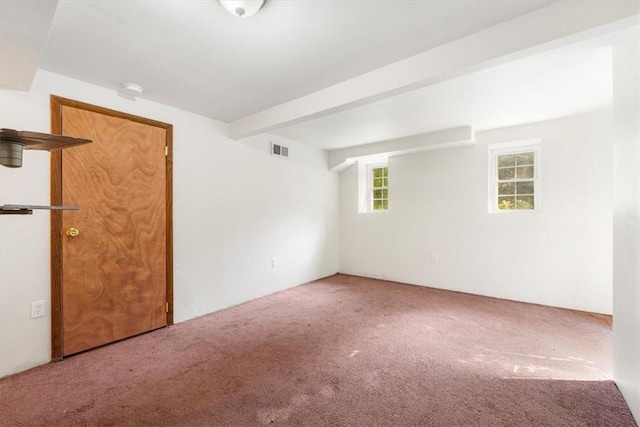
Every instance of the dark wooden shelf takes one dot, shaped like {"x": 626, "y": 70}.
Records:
{"x": 12, "y": 142}
{"x": 40, "y": 141}
{"x": 28, "y": 209}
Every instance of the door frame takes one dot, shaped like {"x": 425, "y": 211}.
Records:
{"x": 57, "y": 102}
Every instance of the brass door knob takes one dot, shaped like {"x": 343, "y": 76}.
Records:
{"x": 73, "y": 232}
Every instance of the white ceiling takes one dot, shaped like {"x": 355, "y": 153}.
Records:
{"x": 563, "y": 82}
{"x": 195, "y": 56}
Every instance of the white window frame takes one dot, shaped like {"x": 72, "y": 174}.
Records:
{"x": 370, "y": 168}
{"x": 365, "y": 183}
{"x": 527, "y": 145}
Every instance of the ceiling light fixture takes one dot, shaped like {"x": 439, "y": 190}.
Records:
{"x": 242, "y": 8}
{"x": 132, "y": 89}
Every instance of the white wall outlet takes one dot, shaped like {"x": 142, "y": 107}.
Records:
{"x": 273, "y": 263}
{"x": 37, "y": 309}
{"x": 434, "y": 258}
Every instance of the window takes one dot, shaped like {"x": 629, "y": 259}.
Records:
{"x": 379, "y": 187}
{"x": 373, "y": 184}
{"x": 514, "y": 184}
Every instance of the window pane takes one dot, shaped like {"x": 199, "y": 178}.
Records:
{"x": 379, "y": 192}
{"x": 506, "y": 173}
{"x": 525, "y": 158}
{"x": 524, "y": 187}
{"x": 525, "y": 172}
{"x": 506, "y": 202}
{"x": 525, "y": 202}
{"x": 506, "y": 160}
{"x": 385, "y": 204}
{"x": 505, "y": 188}
{"x": 515, "y": 178}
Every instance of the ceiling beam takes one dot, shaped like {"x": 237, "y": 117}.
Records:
{"x": 550, "y": 27}
{"x": 340, "y": 159}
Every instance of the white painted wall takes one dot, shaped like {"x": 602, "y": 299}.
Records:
{"x": 626, "y": 217}
{"x": 560, "y": 256}
{"x": 235, "y": 208}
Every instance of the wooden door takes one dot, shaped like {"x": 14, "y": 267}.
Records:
{"x": 113, "y": 273}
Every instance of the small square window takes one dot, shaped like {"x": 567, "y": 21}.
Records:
{"x": 514, "y": 180}
{"x": 373, "y": 185}
{"x": 379, "y": 187}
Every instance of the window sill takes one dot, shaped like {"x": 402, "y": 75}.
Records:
{"x": 514, "y": 211}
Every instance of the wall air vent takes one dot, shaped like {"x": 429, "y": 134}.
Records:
{"x": 279, "y": 150}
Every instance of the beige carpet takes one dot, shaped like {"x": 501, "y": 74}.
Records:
{"x": 343, "y": 351}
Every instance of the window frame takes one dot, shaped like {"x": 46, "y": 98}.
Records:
{"x": 515, "y": 147}
{"x": 370, "y": 187}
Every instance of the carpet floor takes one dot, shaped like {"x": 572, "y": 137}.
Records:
{"x": 342, "y": 351}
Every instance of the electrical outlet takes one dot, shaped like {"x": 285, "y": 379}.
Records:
{"x": 37, "y": 309}
{"x": 273, "y": 263}
{"x": 434, "y": 258}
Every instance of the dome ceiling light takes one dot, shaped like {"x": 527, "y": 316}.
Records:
{"x": 242, "y": 8}
{"x": 132, "y": 89}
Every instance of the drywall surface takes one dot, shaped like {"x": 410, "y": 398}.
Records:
{"x": 236, "y": 208}
{"x": 560, "y": 256}
{"x": 626, "y": 217}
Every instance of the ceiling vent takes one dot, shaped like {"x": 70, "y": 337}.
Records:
{"x": 279, "y": 150}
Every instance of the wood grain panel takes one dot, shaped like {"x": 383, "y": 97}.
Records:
{"x": 114, "y": 273}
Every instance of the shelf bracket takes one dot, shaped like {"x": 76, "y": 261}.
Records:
{"x": 28, "y": 209}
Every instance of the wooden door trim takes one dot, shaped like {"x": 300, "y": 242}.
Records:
{"x": 57, "y": 103}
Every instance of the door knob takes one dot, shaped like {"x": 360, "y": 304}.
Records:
{"x": 73, "y": 232}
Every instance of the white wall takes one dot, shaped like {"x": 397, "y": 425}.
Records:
{"x": 235, "y": 208}
{"x": 626, "y": 217}
{"x": 560, "y": 256}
